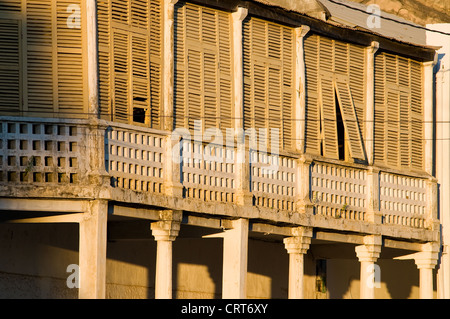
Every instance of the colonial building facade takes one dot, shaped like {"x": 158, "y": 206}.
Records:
{"x": 224, "y": 149}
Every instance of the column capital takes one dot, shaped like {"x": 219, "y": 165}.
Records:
{"x": 171, "y": 2}
{"x": 373, "y": 48}
{"x": 302, "y": 31}
{"x": 240, "y": 14}
{"x": 168, "y": 226}
{"x": 370, "y": 250}
{"x": 300, "y": 241}
{"x": 428, "y": 257}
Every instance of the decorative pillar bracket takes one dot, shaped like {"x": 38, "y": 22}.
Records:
{"x": 168, "y": 226}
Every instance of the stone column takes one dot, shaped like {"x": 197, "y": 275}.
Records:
{"x": 373, "y": 196}
{"x": 303, "y": 202}
{"x": 297, "y": 246}
{"x": 92, "y": 251}
{"x": 243, "y": 194}
{"x": 172, "y": 184}
{"x": 235, "y": 249}
{"x": 92, "y": 60}
{"x": 165, "y": 231}
{"x": 237, "y": 18}
{"x": 426, "y": 260}
{"x": 370, "y": 95}
{"x": 300, "y": 85}
{"x": 367, "y": 255}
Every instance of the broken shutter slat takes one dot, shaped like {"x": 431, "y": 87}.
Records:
{"x": 329, "y": 124}
{"x": 350, "y": 120}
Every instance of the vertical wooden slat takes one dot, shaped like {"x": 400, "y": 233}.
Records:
{"x": 155, "y": 63}
{"x": 379, "y": 111}
{"x": 312, "y": 113}
{"x": 405, "y": 129}
{"x": 393, "y": 134}
{"x": 104, "y": 58}
{"x": 70, "y": 62}
{"x": 348, "y": 113}
{"x": 329, "y": 123}
{"x": 417, "y": 116}
{"x": 121, "y": 76}
{"x": 180, "y": 65}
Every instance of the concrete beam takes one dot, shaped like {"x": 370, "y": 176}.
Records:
{"x": 43, "y": 205}
{"x": 141, "y": 213}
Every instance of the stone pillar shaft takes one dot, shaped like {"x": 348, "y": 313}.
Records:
{"x": 165, "y": 231}
{"x": 367, "y": 255}
{"x": 297, "y": 246}
{"x": 92, "y": 251}
{"x": 235, "y": 249}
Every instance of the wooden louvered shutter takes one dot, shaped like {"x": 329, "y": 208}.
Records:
{"x": 10, "y": 66}
{"x": 209, "y": 72}
{"x": 357, "y": 82}
{"x": 268, "y": 81}
{"x": 398, "y": 112}
{"x": 121, "y": 76}
{"x": 40, "y": 69}
{"x": 225, "y": 71}
{"x": 11, "y": 5}
{"x": 180, "y": 57}
{"x": 287, "y": 97}
{"x": 350, "y": 120}
{"x": 104, "y": 58}
{"x": 404, "y": 129}
{"x": 312, "y": 116}
{"x": 248, "y": 114}
{"x": 203, "y": 82}
{"x": 210, "y": 86}
{"x": 393, "y": 115}
{"x": 70, "y": 63}
{"x": 417, "y": 118}
{"x": 140, "y": 72}
{"x": 341, "y": 57}
{"x": 194, "y": 87}
{"x": 380, "y": 124}
{"x": 329, "y": 124}
{"x": 130, "y": 83}
{"x": 55, "y": 68}
{"x": 155, "y": 63}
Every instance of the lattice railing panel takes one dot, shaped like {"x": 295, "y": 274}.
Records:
{"x": 208, "y": 172}
{"x": 41, "y": 153}
{"x": 272, "y": 180}
{"x": 403, "y": 200}
{"x": 135, "y": 159}
{"x": 339, "y": 191}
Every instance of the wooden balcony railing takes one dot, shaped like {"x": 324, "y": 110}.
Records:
{"x": 62, "y": 152}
